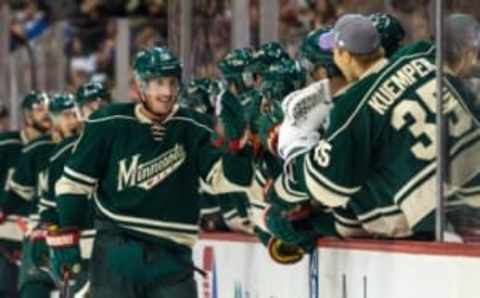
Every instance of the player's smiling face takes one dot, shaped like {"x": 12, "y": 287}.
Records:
{"x": 160, "y": 95}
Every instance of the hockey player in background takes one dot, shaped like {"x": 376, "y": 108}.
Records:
{"x": 67, "y": 119}
{"x": 11, "y": 144}
{"x": 141, "y": 164}
{"x": 23, "y": 192}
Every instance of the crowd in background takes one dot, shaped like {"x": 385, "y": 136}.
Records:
{"x": 90, "y": 27}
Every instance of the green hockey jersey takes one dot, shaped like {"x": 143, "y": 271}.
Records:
{"x": 144, "y": 176}
{"x": 11, "y": 144}
{"x": 59, "y": 156}
{"x": 377, "y": 159}
{"x": 29, "y": 178}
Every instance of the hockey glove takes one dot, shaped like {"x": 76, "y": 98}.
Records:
{"x": 231, "y": 125}
{"x": 294, "y": 141}
{"x": 268, "y": 124}
{"x": 308, "y": 109}
{"x": 284, "y": 228}
{"x": 64, "y": 250}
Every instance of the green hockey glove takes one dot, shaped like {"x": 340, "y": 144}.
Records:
{"x": 231, "y": 123}
{"x": 285, "y": 228}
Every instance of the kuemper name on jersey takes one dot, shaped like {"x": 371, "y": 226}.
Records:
{"x": 148, "y": 174}
{"x": 392, "y": 88}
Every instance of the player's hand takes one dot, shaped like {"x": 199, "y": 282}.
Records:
{"x": 231, "y": 127}
{"x": 64, "y": 250}
{"x": 282, "y": 226}
{"x": 268, "y": 124}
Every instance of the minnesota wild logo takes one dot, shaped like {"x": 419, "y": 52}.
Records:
{"x": 148, "y": 174}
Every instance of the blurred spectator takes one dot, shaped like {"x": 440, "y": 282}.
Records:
{"x": 29, "y": 22}
{"x": 4, "y": 118}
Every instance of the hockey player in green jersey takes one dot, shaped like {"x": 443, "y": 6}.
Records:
{"x": 141, "y": 164}
{"x": 23, "y": 190}
{"x": 11, "y": 144}
{"x": 390, "y": 188}
{"x": 66, "y": 118}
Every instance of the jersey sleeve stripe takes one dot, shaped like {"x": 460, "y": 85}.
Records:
{"x": 25, "y": 192}
{"x": 80, "y": 176}
{"x": 208, "y": 211}
{"x": 346, "y": 191}
{"x": 282, "y": 193}
{"x": 47, "y": 203}
{"x": 66, "y": 186}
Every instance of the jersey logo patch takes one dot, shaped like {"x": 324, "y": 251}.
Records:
{"x": 149, "y": 174}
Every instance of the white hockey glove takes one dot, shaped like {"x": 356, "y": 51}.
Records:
{"x": 308, "y": 108}
{"x": 293, "y": 141}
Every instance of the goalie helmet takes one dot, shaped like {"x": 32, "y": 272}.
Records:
{"x": 267, "y": 54}
{"x": 281, "y": 78}
{"x": 313, "y": 55}
{"x": 234, "y": 68}
{"x": 34, "y": 98}
{"x": 156, "y": 62}
{"x": 60, "y": 102}
{"x": 391, "y": 31}
{"x": 196, "y": 95}
{"x": 90, "y": 92}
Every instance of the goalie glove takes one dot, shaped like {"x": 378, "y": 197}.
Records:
{"x": 308, "y": 108}
{"x": 293, "y": 141}
{"x": 64, "y": 247}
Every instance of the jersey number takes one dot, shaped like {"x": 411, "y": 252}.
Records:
{"x": 459, "y": 123}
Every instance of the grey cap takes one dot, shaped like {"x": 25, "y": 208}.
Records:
{"x": 353, "y": 32}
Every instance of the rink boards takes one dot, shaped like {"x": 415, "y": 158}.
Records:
{"x": 239, "y": 267}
